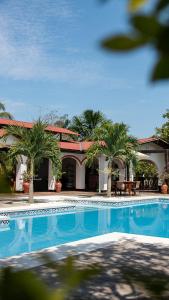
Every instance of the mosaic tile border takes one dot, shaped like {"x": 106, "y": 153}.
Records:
{"x": 74, "y": 207}
{"x": 117, "y": 203}
{"x": 40, "y": 211}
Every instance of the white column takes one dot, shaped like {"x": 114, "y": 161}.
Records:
{"x": 80, "y": 176}
{"x": 20, "y": 169}
{"x": 131, "y": 174}
{"x": 51, "y": 178}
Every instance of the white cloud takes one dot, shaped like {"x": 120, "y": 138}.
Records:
{"x": 25, "y": 35}
{"x": 31, "y": 34}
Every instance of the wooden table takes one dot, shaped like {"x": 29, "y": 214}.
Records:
{"x": 128, "y": 186}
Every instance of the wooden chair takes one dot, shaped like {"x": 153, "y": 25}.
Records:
{"x": 120, "y": 187}
{"x": 136, "y": 187}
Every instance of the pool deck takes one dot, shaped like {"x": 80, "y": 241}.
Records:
{"x": 20, "y": 200}
{"x": 151, "y": 260}
{"x": 114, "y": 253}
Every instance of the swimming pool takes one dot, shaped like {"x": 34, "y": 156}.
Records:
{"x": 33, "y": 230}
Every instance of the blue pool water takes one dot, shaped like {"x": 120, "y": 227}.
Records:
{"x": 26, "y": 233}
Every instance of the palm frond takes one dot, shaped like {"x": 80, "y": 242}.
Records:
{"x": 2, "y": 106}
{"x": 6, "y": 115}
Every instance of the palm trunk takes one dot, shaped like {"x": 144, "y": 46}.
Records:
{"x": 31, "y": 181}
{"x": 109, "y": 179}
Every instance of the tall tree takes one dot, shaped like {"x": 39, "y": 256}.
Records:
{"x": 113, "y": 141}
{"x": 35, "y": 144}
{"x": 86, "y": 123}
{"x": 3, "y": 113}
{"x": 55, "y": 119}
{"x": 163, "y": 131}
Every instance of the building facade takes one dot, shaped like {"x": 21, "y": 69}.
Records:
{"x": 77, "y": 175}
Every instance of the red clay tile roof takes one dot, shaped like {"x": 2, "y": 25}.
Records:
{"x": 147, "y": 140}
{"x": 151, "y": 139}
{"x": 30, "y": 125}
{"x": 76, "y": 146}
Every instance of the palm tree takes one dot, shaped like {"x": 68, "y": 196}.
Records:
{"x": 35, "y": 143}
{"x": 87, "y": 122}
{"x": 113, "y": 141}
{"x": 3, "y": 113}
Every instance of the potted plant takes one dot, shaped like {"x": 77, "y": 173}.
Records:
{"x": 164, "y": 177}
{"x": 58, "y": 175}
{"x": 26, "y": 182}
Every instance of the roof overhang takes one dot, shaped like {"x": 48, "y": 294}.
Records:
{"x": 54, "y": 129}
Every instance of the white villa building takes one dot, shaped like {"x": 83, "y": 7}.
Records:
{"x": 76, "y": 174}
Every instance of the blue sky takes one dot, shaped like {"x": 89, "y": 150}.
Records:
{"x": 50, "y": 59}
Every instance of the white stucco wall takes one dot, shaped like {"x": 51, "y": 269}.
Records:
{"x": 8, "y": 140}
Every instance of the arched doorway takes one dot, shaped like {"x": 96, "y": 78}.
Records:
{"x": 92, "y": 176}
{"x": 146, "y": 172}
{"x": 41, "y": 176}
{"x": 69, "y": 174}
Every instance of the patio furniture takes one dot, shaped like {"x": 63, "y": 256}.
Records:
{"x": 136, "y": 187}
{"x": 114, "y": 187}
{"x": 120, "y": 187}
{"x": 128, "y": 186}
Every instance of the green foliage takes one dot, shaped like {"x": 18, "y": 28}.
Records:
{"x": 86, "y": 123}
{"x": 57, "y": 170}
{"x": 26, "y": 176}
{"x": 113, "y": 141}
{"x": 21, "y": 285}
{"x": 146, "y": 168}
{"x": 147, "y": 29}
{"x": 163, "y": 131}
{"x": 36, "y": 144}
{"x": 123, "y": 43}
{"x": 4, "y": 184}
{"x": 136, "y": 4}
{"x": 7, "y": 172}
{"x": 3, "y": 113}
{"x": 26, "y": 285}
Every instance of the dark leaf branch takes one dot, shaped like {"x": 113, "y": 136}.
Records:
{"x": 148, "y": 29}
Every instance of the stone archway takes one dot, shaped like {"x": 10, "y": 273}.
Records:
{"x": 69, "y": 173}
{"x": 147, "y": 175}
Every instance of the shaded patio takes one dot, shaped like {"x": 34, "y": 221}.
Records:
{"x": 148, "y": 259}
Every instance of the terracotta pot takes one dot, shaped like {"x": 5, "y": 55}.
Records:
{"x": 164, "y": 188}
{"x": 58, "y": 186}
{"x": 26, "y": 187}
